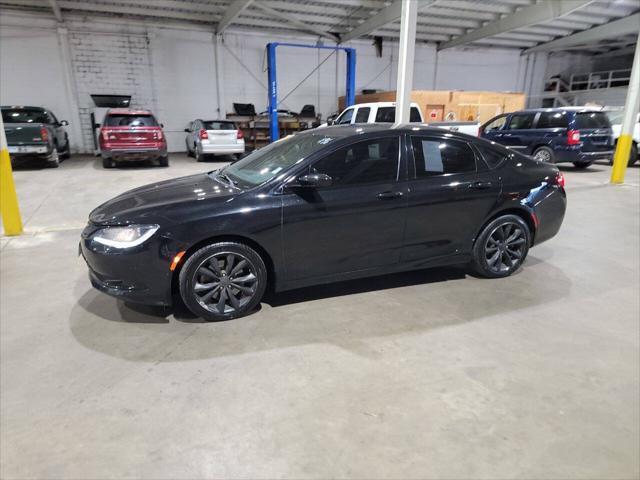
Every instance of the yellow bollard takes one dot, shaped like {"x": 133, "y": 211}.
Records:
{"x": 8, "y": 199}
{"x": 621, "y": 158}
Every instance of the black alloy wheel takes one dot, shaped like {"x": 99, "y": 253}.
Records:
{"x": 223, "y": 281}
{"x": 502, "y": 247}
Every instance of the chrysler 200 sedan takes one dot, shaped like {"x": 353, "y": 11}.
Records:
{"x": 322, "y": 206}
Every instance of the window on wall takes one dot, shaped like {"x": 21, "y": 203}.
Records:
{"x": 442, "y": 157}
{"x": 371, "y": 161}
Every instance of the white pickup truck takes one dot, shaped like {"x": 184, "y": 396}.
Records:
{"x": 385, "y": 112}
{"x": 615, "y": 117}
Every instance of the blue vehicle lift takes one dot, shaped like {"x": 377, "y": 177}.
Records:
{"x": 273, "y": 82}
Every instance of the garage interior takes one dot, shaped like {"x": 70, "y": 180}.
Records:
{"x": 427, "y": 374}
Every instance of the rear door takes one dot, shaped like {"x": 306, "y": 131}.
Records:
{"x": 595, "y": 131}
{"x": 519, "y": 133}
{"x": 220, "y": 132}
{"x": 451, "y": 191}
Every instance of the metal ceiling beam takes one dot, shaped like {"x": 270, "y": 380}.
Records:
{"x": 231, "y": 13}
{"x": 384, "y": 17}
{"x": 56, "y": 10}
{"x": 298, "y": 23}
{"x": 616, "y": 53}
{"x": 525, "y": 17}
{"x": 617, "y": 28}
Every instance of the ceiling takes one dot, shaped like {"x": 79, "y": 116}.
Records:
{"x": 522, "y": 24}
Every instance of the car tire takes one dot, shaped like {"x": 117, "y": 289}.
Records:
{"x": 544, "y": 154}
{"x": 207, "y": 285}
{"x": 54, "y": 159}
{"x": 163, "y": 161}
{"x": 197, "y": 155}
{"x": 108, "y": 162}
{"x": 582, "y": 165}
{"x": 67, "y": 151}
{"x": 189, "y": 152}
{"x": 501, "y": 247}
{"x": 633, "y": 156}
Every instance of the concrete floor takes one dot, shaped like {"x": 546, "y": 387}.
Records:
{"x": 424, "y": 375}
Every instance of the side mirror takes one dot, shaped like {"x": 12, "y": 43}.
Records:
{"x": 314, "y": 180}
{"x": 187, "y": 130}
{"x": 162, "y": 125}
{"x": 64, "y": 123}
{"x": 97, "y": 125}
{"x": 331, "y": 121}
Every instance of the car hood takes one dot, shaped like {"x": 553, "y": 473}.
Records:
{"x": 155, "y": 201}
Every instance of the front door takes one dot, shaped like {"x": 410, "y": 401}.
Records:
{"x": 451, "y": 193}
{"x": 519, "y": 133}
{"x": 355, "y": 224}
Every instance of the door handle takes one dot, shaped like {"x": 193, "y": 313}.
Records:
{"x": 480, "y": 185}
{"x": 389, "y": 195}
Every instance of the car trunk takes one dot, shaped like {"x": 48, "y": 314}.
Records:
{"x": 24, "y": 134}
{"x": 220, "y": 133}
{"x": 125, "y": 137}
{"x": 595, "y": 131}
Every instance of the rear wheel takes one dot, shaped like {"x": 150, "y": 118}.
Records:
{"x": 54, "y": 158}
{"x": 198, "y": 156}
{"x": 544, "y": 154}
{"x": 501, "y": 247}
{"x": 582, "y": 165}
{"x": 66, "y": 153}
{"x": 108, "y": 163}
{"x": 222, "y": 281}
{"x": 163, "y": 161}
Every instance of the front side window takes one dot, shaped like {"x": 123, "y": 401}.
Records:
{"x": 345, "y": 117}
{"x": 442, "y": 157}
{"x": 521, "y": 121}
{"x": 128, "y": 120}
{"x": 370, "y": 161}
{"x": 363, "y": 115}
{"x": 264, "y": 164}
{"x": 495, "y": 124}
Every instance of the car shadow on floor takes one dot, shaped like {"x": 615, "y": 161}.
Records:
{"x": 343, "y": 314}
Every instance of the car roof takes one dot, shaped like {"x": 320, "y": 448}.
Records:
{"x": 363, "y": 128}
{"x": 378, "y": 104}
{"x": 26, "y": 107}
{"x": 127, "y": 111}
{"x": 563, "y": 109}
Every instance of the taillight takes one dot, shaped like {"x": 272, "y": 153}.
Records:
{"x": 560, "y": 179}
{"x": 157, "y": 135}
{"x": 240, "y": 134}
{"x": 203, "y": 135}
{"x": 573, "y": 137}
{"x": 44, "y": 134}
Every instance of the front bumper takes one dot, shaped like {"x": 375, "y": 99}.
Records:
{"x": 140, "y": 274}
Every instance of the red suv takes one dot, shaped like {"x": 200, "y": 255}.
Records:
{"x": 132, "y": 135}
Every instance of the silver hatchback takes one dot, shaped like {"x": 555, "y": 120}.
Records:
{"x": 214, "y": 137}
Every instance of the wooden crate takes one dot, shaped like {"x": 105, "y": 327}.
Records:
{"x": 453, "y": 105}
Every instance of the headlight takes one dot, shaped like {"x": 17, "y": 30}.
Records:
{"x": 125, "y": 237}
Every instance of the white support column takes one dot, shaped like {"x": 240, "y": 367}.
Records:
{"x": 76, "y": 138}
{"x": 631, "y": 107}
{"x": 406, "y": 54}
{"x": 217, "y": 44}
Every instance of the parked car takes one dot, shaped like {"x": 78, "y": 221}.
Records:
{"x": 35, "y": 132}
{"x": 214, "y": 137}
{"x": 579, "y": 135}
{"x": 322, "y": 206}
{"x": 615, "y": 117}
{"x": 131, "y": 135}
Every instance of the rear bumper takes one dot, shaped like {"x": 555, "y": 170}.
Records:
{"x": 20, "y": 152}
{"x": 222, "y": 149}
{"x": 568, "y": 154}
{"x": 549, "y": 213}
{"x": 134, "y": 154}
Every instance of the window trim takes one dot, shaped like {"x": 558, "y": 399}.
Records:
{"x": 413, "y": 162}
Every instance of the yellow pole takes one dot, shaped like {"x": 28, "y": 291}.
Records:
{"x": 631, "y": 105}
{"x": 8, "y": 199}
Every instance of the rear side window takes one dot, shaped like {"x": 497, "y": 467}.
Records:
{"x": 388, "y": 115}
{"x": 553, "y": 120}
{"x": 491, "y": 156}
{"x": 130, "y": 121}
{"x": 521, "y": 121}
{"x": 219, "y": 125}
{"x": 363, "y": 115}
{"x": 588, "y": 120}
{"x": 439, "y": 157}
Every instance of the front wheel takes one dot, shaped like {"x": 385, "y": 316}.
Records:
{"x": 582, "y": 165}
{"x": 222, "y": 281}
{"x": 501, "y": 247}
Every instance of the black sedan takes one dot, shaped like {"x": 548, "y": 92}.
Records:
{"x": 322, "y": 206}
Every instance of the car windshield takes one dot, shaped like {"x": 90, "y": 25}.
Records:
{"x": 264, "y": 164}
{"x": 127, "y": 120}
{"x": 213, "y": 125}
{"x": 24, "y": 115}
{"x": 586, "y": 120}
